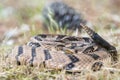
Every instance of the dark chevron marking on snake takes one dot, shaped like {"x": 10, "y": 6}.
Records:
{"x": 33, "y": 54}
{"x": 73, "y": 59}
{"x": 47, "y": 54}
{"x": 94, "y": 56}
{"x": 20, "y": 51}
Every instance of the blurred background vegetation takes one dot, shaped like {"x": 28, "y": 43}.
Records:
{"x": 26, "y": 15}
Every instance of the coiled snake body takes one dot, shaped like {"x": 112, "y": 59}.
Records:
{"x": 65, "y": 52}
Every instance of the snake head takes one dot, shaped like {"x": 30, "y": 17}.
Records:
{"x": 100, "y": 41}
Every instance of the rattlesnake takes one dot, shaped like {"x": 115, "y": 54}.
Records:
{"x": 65, "y": 52}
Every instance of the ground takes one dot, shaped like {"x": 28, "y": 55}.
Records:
{"x": 23, "y": 18}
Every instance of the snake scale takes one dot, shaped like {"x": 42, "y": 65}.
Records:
{"x": 65, "y": 52}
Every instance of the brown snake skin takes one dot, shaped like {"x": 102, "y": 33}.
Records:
{"x": 64, "y": 52}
